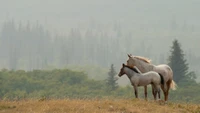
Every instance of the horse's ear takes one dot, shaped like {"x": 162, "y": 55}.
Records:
{"x": 123, "y": 64}
{"x": 129, "y": 55}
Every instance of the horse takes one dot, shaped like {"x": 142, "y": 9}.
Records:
{"x": 144, "y": 65}
{"x": 144, "y": 79}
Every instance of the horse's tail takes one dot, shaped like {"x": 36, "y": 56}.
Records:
{"x": 173, "y": 85}
{"x": 161, "y": 79}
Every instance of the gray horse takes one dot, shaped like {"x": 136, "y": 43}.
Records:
{"x": 143, "y": 79}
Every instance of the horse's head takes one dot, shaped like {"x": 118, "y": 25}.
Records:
{"x": 122, "y": 70}
{"x": 131, "y": 62}
{"x": 141, "y": 63}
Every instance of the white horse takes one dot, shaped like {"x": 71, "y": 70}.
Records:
{"x": 144, "y": 66}
{"x": 144, "y": 79}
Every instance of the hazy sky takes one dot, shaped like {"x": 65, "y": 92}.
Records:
{"x": 60, "y": 14}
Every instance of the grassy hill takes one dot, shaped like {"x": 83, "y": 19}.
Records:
{"x": 95, "y": 106}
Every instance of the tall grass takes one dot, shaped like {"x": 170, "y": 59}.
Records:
{"x": 95, "y": 106}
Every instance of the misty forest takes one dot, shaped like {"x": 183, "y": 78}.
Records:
{"x": 61, "y": 51}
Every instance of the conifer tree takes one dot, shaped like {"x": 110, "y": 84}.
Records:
{"x": 111, "y": 80}
{"x": 179, "y": 64}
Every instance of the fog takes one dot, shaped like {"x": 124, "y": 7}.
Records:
{"x": 62, "y": 14}
{"x": 105, "y": 31}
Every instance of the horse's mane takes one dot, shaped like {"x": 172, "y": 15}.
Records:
{"x": 132, "y": 69}
{"x": 143, "y": 59}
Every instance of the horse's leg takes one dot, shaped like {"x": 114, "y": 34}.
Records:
{"x": 136, "y": 91}
{"x": 168, "y": 87}
{"x": 159, "y": 93}
{"x": 145, "y": 92}
{"x": 164, "y": 91}
{"x": 153, "y": 91}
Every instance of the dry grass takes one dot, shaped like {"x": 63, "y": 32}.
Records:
{"x": 95, "y": 106}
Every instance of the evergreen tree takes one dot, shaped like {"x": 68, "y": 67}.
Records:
{"x": 111, "y": 80}
{"x": 178, "y": 64}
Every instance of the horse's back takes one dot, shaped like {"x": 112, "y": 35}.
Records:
{"x": 165, "y": 66}
{"x": 165, "y": 71}
{"x": 154, "y": 76}
{"x": 150, "y": 73}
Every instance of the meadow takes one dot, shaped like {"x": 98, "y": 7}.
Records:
{"x": 95, "y": 106}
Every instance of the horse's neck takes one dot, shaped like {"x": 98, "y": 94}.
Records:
{"x": 137, "y": 69}
{"x": 130, "y": 73}
{"x": 145, "y": 67}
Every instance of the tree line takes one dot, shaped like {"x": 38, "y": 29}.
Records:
{"x": 31, "y": 47}
{"x": 54, "y": 84}
{"x": 65, "y": 83}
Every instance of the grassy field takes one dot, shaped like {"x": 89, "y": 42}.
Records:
{"x": 95, "y": 106}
